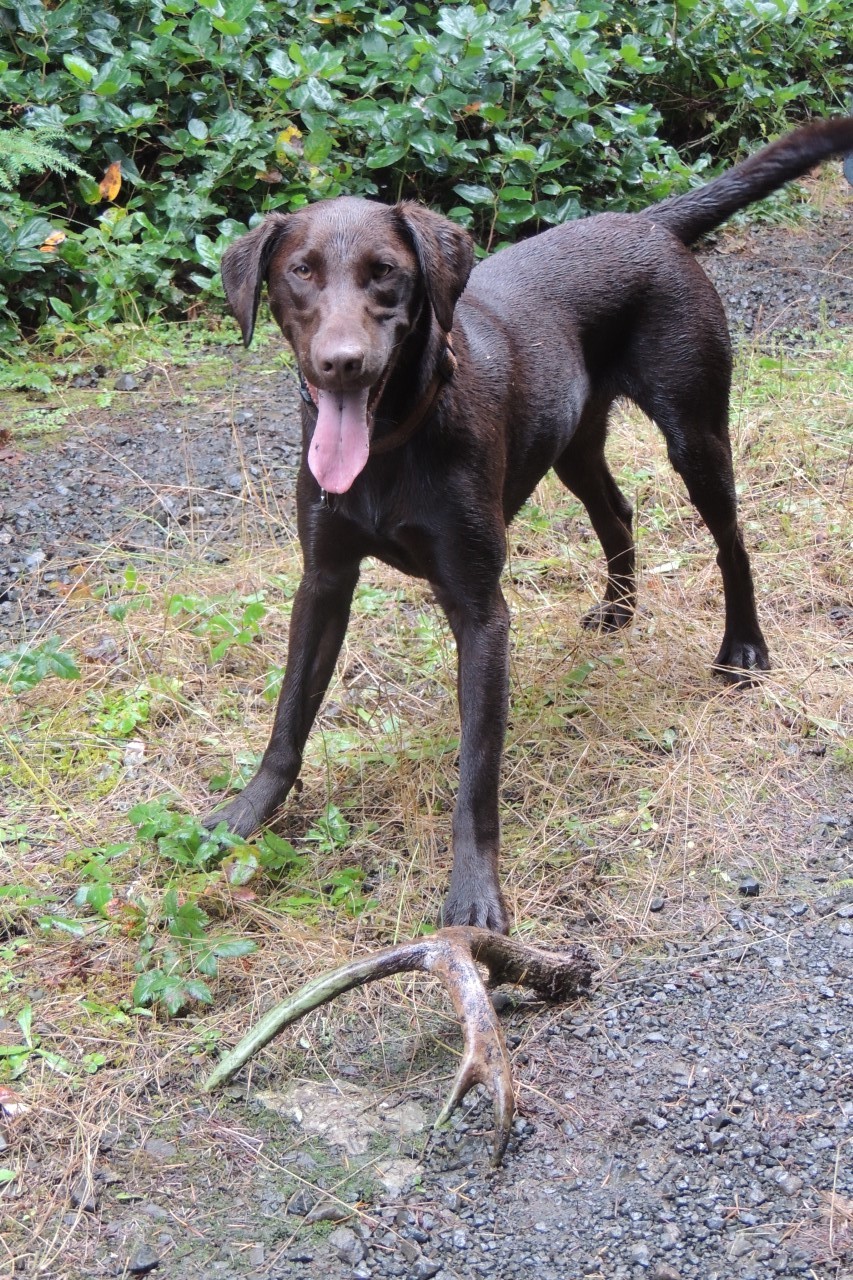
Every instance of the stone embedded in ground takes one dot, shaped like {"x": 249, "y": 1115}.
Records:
{"x": 82, "y": 1195}
{"x": 347, "y": 1245}
{"x": 346, "y": 1115}
{"x": 397, "y": 1176}
{"x": 160, "y": 1149}
{"x": 328, "y": 1211}
{"x": 143, "y": 1260}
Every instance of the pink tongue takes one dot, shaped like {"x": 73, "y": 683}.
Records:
{"x": 341, "y": 442}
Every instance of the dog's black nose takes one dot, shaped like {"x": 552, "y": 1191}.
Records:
{"x": 343, "y": 362}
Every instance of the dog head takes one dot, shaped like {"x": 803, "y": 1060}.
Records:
{"x": 347, "y": 280}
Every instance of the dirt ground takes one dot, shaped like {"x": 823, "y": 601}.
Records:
{"x": 691, "y": 1120}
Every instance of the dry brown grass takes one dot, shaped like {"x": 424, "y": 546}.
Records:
{"x": 630, "y": 774}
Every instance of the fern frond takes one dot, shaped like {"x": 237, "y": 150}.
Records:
{"x": 32, "y": 151}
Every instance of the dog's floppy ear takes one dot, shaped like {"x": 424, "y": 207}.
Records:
{"x": 445, "y": 256}
{"x": 244, "y": 269}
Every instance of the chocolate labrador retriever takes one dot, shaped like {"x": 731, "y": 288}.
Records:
{"x": 436, "y": 397}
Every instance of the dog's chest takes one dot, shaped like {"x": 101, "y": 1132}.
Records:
{"x": 382, "y": 522}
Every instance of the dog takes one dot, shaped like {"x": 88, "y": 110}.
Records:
{"x": 436, "y": 397}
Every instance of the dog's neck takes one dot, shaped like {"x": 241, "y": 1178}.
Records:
{"x": 445, "y": 368}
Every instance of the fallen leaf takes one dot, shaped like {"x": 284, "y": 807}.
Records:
{"x": 288, "y": 143}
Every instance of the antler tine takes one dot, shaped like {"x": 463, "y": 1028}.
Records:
{"x": 452, "y": 955}
{"x": 485, "y": 1059}
{"x": 319, "y": 991}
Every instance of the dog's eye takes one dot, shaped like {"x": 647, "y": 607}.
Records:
{"x": 302, "y": 270}
{"x": 381, "y": 270}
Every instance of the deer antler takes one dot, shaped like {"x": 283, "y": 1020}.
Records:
{"x": 453, "y": 956}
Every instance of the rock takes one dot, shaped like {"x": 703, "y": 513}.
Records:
{"x": 82, "y": 1195}
{"x": 742, "y": 1245}
{"x": 328, "y": 1211}
{"x": 160, "y": 1149}
{"x": 397, "y": 1176}
{"x": 749, "y": 887}
{"x": 302, "y": 1201}
{"x": 143, "y": 1260}
{"x": 125, "y": 382}
{"x": 155, "y": 1211}
{"x": 410, "y": 1251}
{"x": 425, "y": 1269}
{"x": 347, "y": 1245}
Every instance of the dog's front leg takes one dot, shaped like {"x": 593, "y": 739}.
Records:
{"x": 318, "y": 624}
{"x": 482, "y": 640}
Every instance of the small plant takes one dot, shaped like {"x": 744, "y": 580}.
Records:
{"x": 122, "y": 713}
{"x": 33, "y": 151}
{"x": 17, "y": 1056}
{"x": 223, "y": 628}
{"x": 330, "y": 832}
{"x": 131, "y": 595}
{"x": 246, "y": 766}
{"x": 343, "y": 889}
{"x": 26, "y": 666}
{"x": 179, "y": 837}
{"x": 273, "y": 680}
{"x": 169, "y": 967}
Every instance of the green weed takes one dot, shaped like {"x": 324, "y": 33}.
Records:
{"x": 26, "y": 666}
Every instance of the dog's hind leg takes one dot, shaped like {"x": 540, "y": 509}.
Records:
{"x": 583, "y": 469}
{"x": 694, "y": 422}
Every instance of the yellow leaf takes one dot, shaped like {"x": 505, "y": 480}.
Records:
{"x": 110, "y": 184}
{"x": 52, "y": 243}
{"x": 269, "y": 175}
{"x": 288, "y": 144}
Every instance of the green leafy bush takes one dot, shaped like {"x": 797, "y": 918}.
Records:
{"x": 507, "y": 116}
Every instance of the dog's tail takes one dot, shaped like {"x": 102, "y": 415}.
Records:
{"x": 692, "y": 214}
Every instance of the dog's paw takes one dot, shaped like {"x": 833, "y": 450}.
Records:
{"x": 252, "y": 809}
{"x": 610, "y": 615}
{"x": 483, "y": 907}
{"x": 741, "y": 662}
